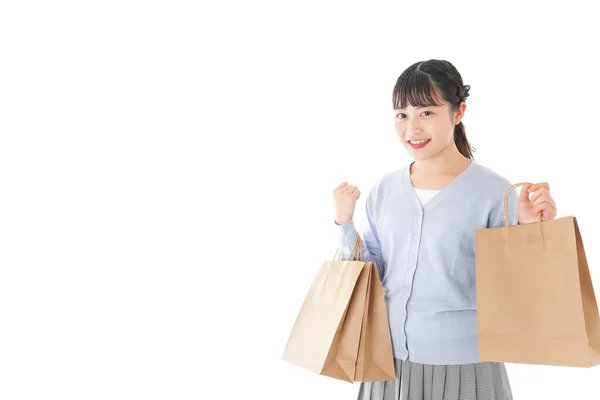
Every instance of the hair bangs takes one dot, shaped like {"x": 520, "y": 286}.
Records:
{"x": 415, "y": 88}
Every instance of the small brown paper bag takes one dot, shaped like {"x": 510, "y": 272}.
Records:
{"x": 535, "y": 299}
{"x": 342, "y": 329}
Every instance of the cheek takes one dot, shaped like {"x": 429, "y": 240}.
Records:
{"x": 399, "y": 128}
{"x": 441, "y": 133}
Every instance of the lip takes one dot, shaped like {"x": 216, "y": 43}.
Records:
{"x": 419, "y": 146}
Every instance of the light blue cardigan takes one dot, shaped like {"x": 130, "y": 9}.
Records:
{"x": 426, "y": 259}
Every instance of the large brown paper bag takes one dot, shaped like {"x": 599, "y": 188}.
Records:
{"x": 535, "y": 299}
{"x": 342, "y": 329}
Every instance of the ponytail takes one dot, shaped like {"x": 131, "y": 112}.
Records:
{"x": 462, "y": 143}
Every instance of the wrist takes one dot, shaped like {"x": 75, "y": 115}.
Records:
{"x": 525, "y": 222}
{"x": 342, "y": 221}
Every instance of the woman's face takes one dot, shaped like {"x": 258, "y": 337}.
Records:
{"x": 427, "y": 131}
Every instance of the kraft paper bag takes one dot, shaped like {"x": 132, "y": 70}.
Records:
{"x": 535, "y": 299}
{"x": 342, "y": 329}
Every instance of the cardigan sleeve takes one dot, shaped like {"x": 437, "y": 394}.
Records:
{"x": 371, "y": 246}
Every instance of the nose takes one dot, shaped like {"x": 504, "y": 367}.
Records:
{"x": 413, "y": 127}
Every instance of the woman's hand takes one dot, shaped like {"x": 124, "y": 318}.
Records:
{"x": 540, "y": 201}
{"x": 344, "y": 202}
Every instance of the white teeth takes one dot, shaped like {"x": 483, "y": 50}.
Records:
{"x": 419, "y": 141}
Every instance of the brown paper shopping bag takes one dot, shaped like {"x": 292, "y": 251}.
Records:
{"x": 342, "y": 329}
{"x": 535, "y": 299}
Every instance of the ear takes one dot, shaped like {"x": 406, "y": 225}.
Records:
{"x": 460, "y": 113}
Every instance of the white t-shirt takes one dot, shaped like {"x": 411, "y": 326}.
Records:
{"x": 425, "y": 195}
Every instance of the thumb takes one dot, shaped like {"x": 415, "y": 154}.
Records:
{"x": 524, "y": 195}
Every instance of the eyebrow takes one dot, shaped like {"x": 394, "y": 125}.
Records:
{"x": 417, "y": 107}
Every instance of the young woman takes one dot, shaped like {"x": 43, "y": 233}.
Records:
{"x": 419, "y": 229}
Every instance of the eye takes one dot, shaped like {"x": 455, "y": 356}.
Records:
{"x": 399, "y": 116}
{"x": 428, "y": 112}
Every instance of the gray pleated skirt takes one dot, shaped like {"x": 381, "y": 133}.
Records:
{"x": 480, "y": 381}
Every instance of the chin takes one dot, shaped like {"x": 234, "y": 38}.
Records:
{"x": 424, "y": 154}
{"x": 419, "y": 156}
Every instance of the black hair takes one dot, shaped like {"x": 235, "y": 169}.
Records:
{"x": 421, "y": 83}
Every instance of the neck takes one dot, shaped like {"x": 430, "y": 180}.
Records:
{"x": 448, "y": 161}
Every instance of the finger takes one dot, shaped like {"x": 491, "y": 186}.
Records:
{"x": 340, "y": 187}
{"x": 540, "y": 192}
{"x": 350, "y": 192}
{"x": 545, "y": 199}
{"x": 525, "y": 191}
{"x": 545, "y": 208}
{"x": 348, "y": 188}
{"x": 548, "y": 214}
{"x": 536, "y": 186}
{"x": 539, "y": 185}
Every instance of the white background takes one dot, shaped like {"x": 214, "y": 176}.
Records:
{"x": 166, "y": 171}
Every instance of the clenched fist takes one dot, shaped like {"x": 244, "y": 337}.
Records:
{"x": 344, "y": 202}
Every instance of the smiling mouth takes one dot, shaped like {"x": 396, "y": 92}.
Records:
{"x": 418, "y": 142}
